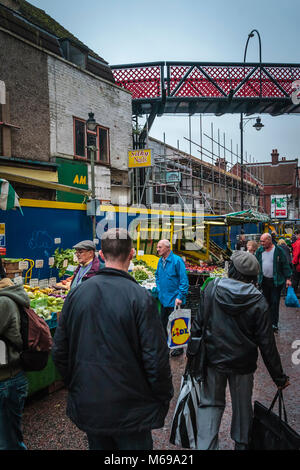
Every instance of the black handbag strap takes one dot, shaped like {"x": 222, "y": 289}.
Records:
{"x": 205, "y": 304}
{"x": 281, "y": 405}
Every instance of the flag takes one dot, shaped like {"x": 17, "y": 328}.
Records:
{"x": 8, "y": 197}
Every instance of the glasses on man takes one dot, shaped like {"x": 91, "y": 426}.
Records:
{"x": 79, "y": 252}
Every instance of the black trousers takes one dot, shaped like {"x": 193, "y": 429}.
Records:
{"x": 295, "y": 280}
{"x": 272, "y": 295}
{"x": 164, "y": 316}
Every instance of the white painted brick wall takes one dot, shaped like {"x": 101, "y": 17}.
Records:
{"x": 74, "y": 93}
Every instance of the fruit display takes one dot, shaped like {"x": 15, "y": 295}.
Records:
{"x": 204, "y": 268}
{"x": 45, "y": 301}
{"x": 143, "y": 274}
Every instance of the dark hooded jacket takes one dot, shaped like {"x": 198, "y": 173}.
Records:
{"x": 239, "y": 323}
{"x": 11, "y": 298}
{"x": 111, "y": 350}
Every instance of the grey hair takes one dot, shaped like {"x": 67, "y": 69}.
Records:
{"x": 166, "y": 243}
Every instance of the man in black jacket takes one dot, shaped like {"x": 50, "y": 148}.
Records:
{"x": 111, "y": 351}
{"x": 238, "y": 324}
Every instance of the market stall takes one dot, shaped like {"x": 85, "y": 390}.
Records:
{"x": 47, "y": 302}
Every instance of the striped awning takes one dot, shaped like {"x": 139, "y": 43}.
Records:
{"x": 8, "y": 197}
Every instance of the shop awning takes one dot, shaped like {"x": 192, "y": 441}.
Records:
{"x": 8, "y": 197}
{"x": 246, "y": 217}
{"x": 45, "y": 184}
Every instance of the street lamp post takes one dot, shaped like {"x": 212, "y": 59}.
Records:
{"x": 91, "y": 126}
{"x": 258, "y": 126}
{"x": 250, "y": 35}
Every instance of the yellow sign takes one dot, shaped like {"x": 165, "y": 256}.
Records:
{"x": 139, "y": 158}
{"x": 82, "y": 180}
{"x": 2, "y": 229}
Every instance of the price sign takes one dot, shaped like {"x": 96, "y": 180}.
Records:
{"x": 39, "y": 263}
{"x": 57, "y": 241}
{"x": 65, "y": 263}
{"x": 51, "y": 261}
{"x": 43, "y": 283}
{"x": 52, "y": 281}
{"x": 23, "y": 265}
{"x": 34, "y": 282}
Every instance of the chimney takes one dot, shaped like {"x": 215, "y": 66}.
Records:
{"x": 274, "y": 156}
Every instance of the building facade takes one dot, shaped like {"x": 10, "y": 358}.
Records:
{"x": 280, "y": 177}
{"x": 51, "y": 83}
{"x": 182, "y": 179}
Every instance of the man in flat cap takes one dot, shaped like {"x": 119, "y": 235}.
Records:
{"x": 89, "y": 263}
{"x": 238, "y": 324}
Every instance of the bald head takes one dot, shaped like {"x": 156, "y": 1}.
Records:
{"x": 266, "y": 241}
{"x": 163, "y": 248}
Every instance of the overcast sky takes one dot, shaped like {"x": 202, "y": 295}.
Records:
{"x": 125, "y": 32}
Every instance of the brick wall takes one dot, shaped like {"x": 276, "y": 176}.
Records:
{"x": 74, "y": 93}
{"x": 24, "y": 71}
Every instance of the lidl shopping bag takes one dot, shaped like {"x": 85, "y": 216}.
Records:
{"x": 179, "y": 328}
{"x": 291, "y": 299}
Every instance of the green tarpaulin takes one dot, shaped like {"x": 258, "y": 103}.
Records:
{"x": 244, "y": 217}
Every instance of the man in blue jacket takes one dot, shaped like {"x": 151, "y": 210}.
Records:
{"x": 172, "y": 283}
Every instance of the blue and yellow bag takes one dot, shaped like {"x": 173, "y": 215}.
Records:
{"x": 179, "y": 328}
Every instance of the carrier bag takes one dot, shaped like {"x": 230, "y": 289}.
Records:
{"x": 291, "y": 299}
{"x": 270, "y": 431}
{"x": 184, "y": 424}
{"x": 179, "y": 328}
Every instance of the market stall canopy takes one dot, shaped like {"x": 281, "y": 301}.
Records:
{"x": 246, "y": 217}
{"x": 8, "y": 197}
{"x": 45, "y": 184}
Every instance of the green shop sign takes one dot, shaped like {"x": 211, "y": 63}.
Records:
{"x": 71, "y": 173}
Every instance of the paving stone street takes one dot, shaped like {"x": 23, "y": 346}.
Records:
{"x": 46, "y": 426}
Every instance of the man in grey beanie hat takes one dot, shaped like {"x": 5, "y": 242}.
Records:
{"x": 238, "y": 325}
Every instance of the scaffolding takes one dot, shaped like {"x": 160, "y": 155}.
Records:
{"x": 211, "y": 179}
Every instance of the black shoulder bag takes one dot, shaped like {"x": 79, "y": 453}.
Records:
{"x": 196, "y": 352}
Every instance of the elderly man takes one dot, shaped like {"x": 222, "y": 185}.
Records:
{"x": 110, "y": 349}
{"x": 275, "y": 272}
{"x": 172, "y": 283}
{"x": 89, "y": 263}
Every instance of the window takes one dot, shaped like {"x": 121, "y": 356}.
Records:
{"x": 83, "y": 138}
{"x": 79, "y": 138}
{"x": 103, "y": 145}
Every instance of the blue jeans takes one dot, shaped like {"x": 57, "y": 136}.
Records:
{"x": 13, "y": 393}
{"x": 136, "y": 441}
